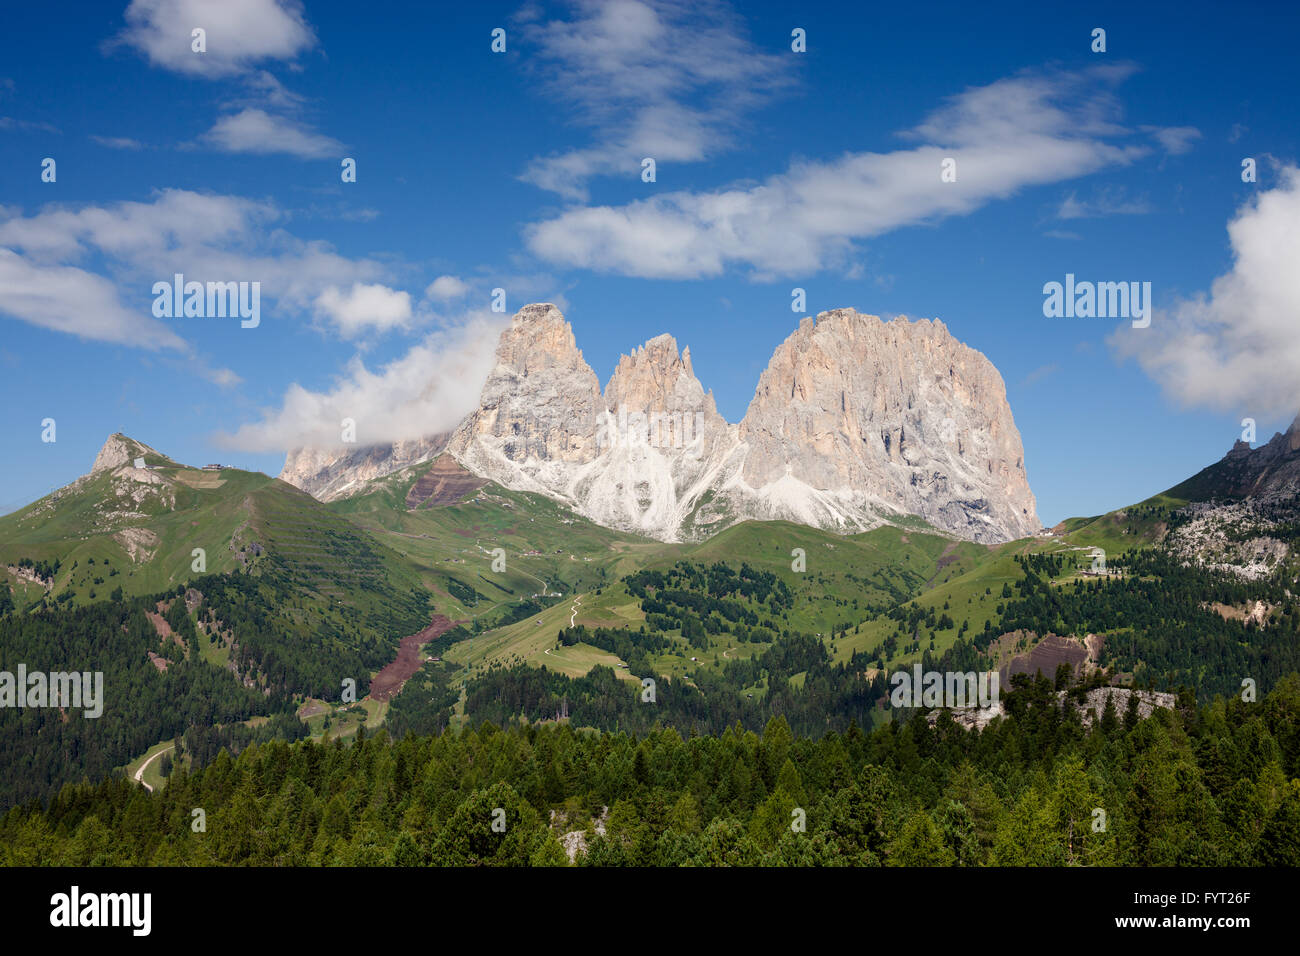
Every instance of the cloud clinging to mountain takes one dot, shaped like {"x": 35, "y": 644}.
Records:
{"x": 429, "y": 389}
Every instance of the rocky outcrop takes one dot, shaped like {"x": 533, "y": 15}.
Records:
{"x": 1089, "y": 710}
{"x": 444, "y": 483}
{"x": 1240, "y": 509}
{"x": 119, "y": 450}
{"x": 1266, "y": 474}
{"x": 853, "y": 416}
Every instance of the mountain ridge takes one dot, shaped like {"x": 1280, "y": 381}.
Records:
{"x": 855, "y": 422}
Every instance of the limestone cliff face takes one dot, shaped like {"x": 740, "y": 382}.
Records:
{"x": 854, "y": 422}
{"x": 537, "y": 411}
{"x": 854, "y": 413}
{"x": 330, "y": 473}
{"x": 662, "y": 444}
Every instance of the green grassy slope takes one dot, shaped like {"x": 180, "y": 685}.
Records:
{"x": 548, "y": 549}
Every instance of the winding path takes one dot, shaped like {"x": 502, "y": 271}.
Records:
{"x": 139, "y": 774}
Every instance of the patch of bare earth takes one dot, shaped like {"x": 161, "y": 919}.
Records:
{"x": 159, "y": 624}
{"x": 311, "y": 708}
{"x": 389, "y": 681}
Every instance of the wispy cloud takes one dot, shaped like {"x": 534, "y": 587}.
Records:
{"x": 1030, "y": 129}
{"x": 1040, "y": 373}
{"x": 132, "y": 244}
{"x": 1106, "y": 201}
{"x": 10, "y": 123}
{"x": 1174, "y": 140}
{"x": 665, "y": 79}
{"x": 117, "y": 142}
{"x": 72, "y": 300}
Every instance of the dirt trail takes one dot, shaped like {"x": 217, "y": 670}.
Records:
{"x": 389, "y": 681}
{"x": 139, "y": 774}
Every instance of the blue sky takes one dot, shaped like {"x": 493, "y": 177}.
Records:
{"x": 522, "y": 170}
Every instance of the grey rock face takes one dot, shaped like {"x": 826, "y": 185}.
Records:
{"x": 119, "y": 450}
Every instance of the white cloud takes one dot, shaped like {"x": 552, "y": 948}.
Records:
{"x": 430, "y": 389}
{"x": 446, "y": 288}
{"x": 256, "y": 131}
{"x": 240, "y": 33}
{"x": 176, "y": 219}
{"x": 667, "y": 79}
{"x": 1025, "y": 130}
{"x": 117, "y": 142}
{"x": 1236, "y": 348}
{"x": 134, "y": 244}
{"x": 365, "y": 308}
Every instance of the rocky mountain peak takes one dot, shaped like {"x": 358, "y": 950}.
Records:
{"x": 119, "y": 450}
{"x": 1268, "y": 472}
{"x": 656, "y": 377}
{"x": 855, "y": 421}
{"x": 539, "y": 337}
{"x": 540, "y": 401}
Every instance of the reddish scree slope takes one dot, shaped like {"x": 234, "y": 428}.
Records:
{"x": 389, "y": 681}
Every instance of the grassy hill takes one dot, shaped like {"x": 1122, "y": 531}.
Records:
{"x": 846, "y": 582}
{"x": 548, "y": 549}
{"x": 139, "y": 530}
